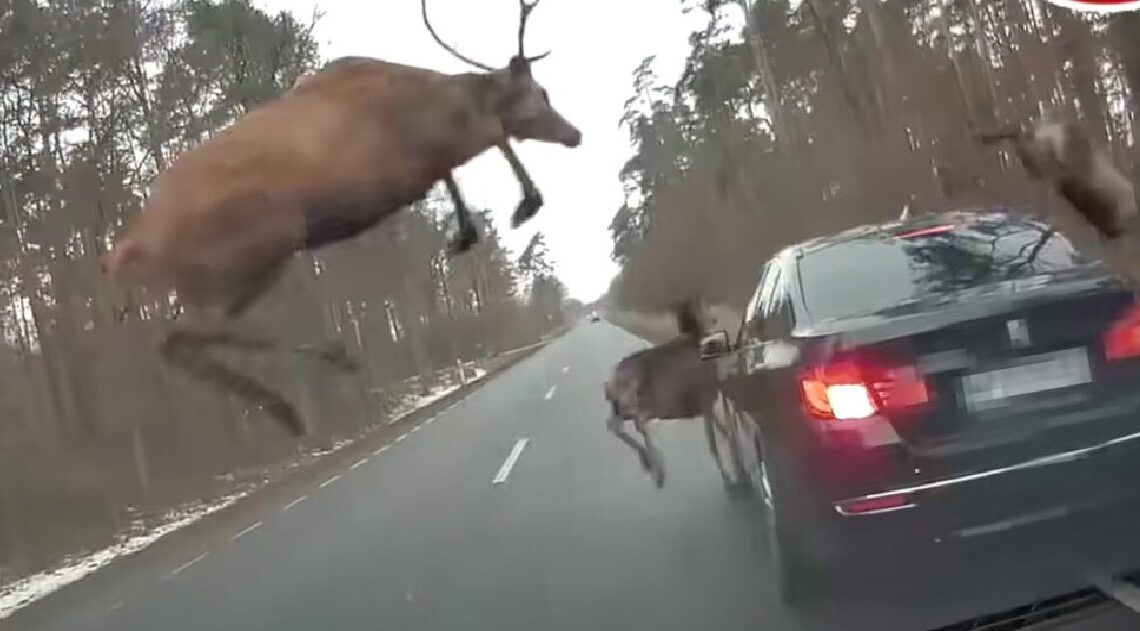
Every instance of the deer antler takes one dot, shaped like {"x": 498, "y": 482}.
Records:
{"x": 457, "y": 54}
{"x": 524, "y": 13}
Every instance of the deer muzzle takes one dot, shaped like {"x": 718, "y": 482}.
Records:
{"x": 572, "y": 138}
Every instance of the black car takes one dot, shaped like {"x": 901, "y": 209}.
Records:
{"x": 914, "y": 385}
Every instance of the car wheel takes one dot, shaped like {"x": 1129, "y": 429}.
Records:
{"x": 796, "y": 580}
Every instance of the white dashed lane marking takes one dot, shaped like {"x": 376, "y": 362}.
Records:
{"x": 550, "y": 393}
{"x": 295, "y": 502}
{"x": 185, "y": 566}
{"x": 509, "y": 463}
{"x": 358, "y": 463}
{"x": 245, "y": 531}
{"x": 329, "y": 481}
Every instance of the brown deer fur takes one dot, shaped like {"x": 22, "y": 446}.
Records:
{"x": 1064, "y": 156}
{"x": 667, "y": 381}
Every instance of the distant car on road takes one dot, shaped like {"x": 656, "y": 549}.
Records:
{"x": 950, "y": 378}
{"x": 594, "y": 317}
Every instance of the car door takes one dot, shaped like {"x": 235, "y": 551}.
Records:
{"x": 757, "y": 386}
{"x": 734, "y": 368}
{"x": 728, "y": 362}
{"x": 761, "y": 320}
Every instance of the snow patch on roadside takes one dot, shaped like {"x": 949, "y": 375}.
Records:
{"x": 415, "y": 402}
{"x": 25, "y": 591}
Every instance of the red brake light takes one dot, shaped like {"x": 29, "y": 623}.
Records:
{"x": 926, "y": 232}
{"x": 1122, "y": 340}
{"x": 854, "y": 388}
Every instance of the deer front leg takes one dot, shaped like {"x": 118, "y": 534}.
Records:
{"x": 532, "y": 199}
{"x": 467, "y": 234}
{"x": 656, "y": 461}
{"x": 616, "y": 425}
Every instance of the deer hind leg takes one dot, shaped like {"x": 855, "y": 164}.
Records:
{"x": 617, "y": 425}
{"x": 467, "y": 234}
{"x": 532, "y": 198}
{"x": 186, "y": 349}
{"x": 333, "y": 352}
{"x": 245, "y": 294}
{"x": 656, "y": 461}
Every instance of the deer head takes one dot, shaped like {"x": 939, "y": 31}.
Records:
{"x": 520, "y": 102}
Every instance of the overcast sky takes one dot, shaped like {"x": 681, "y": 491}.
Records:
{"x": 596, "y": 44}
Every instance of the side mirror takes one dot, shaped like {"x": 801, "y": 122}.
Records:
{"x": 715, "y": 344}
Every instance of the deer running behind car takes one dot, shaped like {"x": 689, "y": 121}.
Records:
{"x": 667, "y": 381}
{"x": 330, "y": 158}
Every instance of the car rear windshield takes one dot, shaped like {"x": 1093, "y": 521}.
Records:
{"x": 873, "y": 274}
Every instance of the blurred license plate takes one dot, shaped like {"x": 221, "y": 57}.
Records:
{"x": 1049, "y": 371}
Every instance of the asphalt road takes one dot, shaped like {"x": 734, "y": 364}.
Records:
{"x": 419, "y": 536}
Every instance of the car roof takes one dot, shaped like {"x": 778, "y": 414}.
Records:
{"x": 962, "y": 216}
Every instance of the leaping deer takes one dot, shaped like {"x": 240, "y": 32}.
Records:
{"x": 329, "y": 159}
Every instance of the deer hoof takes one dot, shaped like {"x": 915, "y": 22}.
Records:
{"x": 461, "y": 243}
{"x": 529, "y": 205}
{"x": 337, "y": 356}
{"x": 657, "y": 470}
{"x": 287, "y": 416}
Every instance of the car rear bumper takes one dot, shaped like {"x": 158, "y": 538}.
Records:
{"x": 1064, "y": 494}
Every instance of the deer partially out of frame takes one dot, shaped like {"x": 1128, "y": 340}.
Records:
{"x": 1061, "y": 154}
{"x": 668, "y": 381}
{"x": 332, "y": 157}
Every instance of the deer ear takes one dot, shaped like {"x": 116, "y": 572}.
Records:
{"x": 519, "y": 67}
